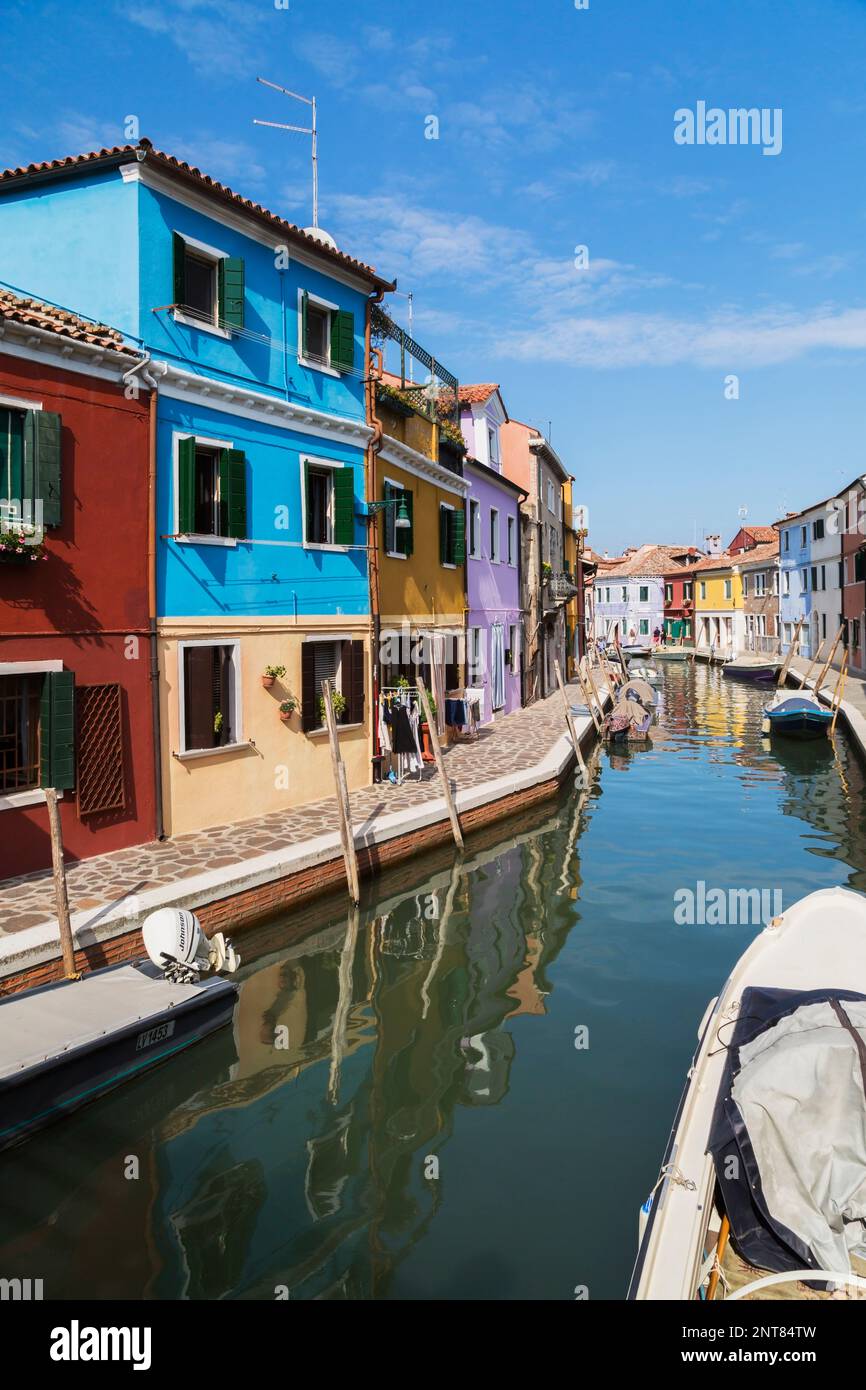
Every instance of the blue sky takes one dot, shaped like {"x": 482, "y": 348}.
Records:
{"x": 555, "y": 130}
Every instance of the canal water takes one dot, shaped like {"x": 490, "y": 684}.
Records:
{"x": 466, "y": 1093}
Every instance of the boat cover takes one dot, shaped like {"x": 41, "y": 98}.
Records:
{"x": 788, "y": 1136}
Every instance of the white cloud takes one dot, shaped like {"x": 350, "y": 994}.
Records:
{"x": 213, "y": 35}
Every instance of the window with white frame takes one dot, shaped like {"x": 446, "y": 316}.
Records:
{"x": 512, "y": 655}
{"x": 703, "y": 588}
{"x": 474, "y": 528}
{"x": 494, "y": 534}
{"x": 210, "y": 695}
{"x": 550, "y": 496}
{"x": 786, "y": 583}
{"x": 727, "y": 588}
{"x": 511, "y": 534}
{"x": 476, "y": 658}
{"x": 329, "y": 502}
{"x": 760, "y": 584}
{"x": 326, "y": 334}
{"x": 493, "y": 445}
{"x": 624, "y": 594}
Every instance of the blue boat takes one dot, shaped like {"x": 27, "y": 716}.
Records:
{"x": 797, "y": 715}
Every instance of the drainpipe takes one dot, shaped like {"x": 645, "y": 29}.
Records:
{"x": 373, "y": 447}
{"x": 151, "y": 606}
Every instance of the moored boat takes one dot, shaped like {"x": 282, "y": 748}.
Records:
{"x": 761, "y": 1185}
{"x": 635, "y": 649}
{"x": 637, "y": 671}
{"x": 797, "y": 714}
{"x": 70, "y": 1042}
{"x": 672, "y": 653}
{"x": 750, "y": 668}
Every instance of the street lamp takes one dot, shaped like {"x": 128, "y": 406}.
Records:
{"x": 402, "y": 521}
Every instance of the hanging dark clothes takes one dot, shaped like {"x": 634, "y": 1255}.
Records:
{"x": 402, "y": 734}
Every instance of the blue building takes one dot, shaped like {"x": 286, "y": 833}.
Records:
{"x": 256, "y": 335}
{"x": 795, "y": 589}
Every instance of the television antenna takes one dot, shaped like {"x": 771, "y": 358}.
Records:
{"x": 742, "y": 513}
{"x": 311, "y": 130}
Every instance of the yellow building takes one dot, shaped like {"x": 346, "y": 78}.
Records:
{"x": 719, "y": 622}
{"x": 574, "y": 533}
{"x": 420, "y": 563}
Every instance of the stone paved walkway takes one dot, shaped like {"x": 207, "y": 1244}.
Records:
{"x": 514, "y": 743}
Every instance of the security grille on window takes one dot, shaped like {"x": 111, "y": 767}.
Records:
{"x": 209, "y": 696}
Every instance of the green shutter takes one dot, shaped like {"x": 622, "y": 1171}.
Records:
{"x": 57, "y": 730}
{"x": 29, "y": 482}
{"x": 233, "y": 493}
{"x": 458, "y": 553}
{"x": 48, "y": 437}
{"x": 405, "y": 537}
{"x": 231, "y": 292}
{"x": 186, "y": 485}
{"x": 305, "y": 299}
{"x": 344, "y": 505}
{"x": 343, "y": 340}
{"x": 444, "y": 547}
{"x": 179, "y": 252}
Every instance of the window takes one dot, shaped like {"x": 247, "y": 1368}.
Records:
{"x": 607, "y": 595}
{"x": 703, "y": 588}
{"x": 326, "y": 334}
{"x": 727, "y": 588}
{"x": 859, "y": 566}
{"x": 814, "y": 578}
{"x": 787, "y": 537}
{"x": 687, "y": 627}
{"x": 476, "y": 658}
{"x": 550, "y": 498}
{"x": 494, "y": 534}
{"x": 746, "y": 585}
{"x": 475, "y": 529}
{"x": 669, "y": 593}
{"x": 511, "y": 533}
{"x": 210, "y": 695}
{"x": 643, "y": 593}
{"x": 823, "y": 576}
{"x": 804, "y": 581}
{"x": 208, "y": 285}
{"x": 818, "y": 529}
{"x": 30, "y": 445}
{"x": 802, "y": 537}
{"x": 512, "y": 655}
{"x": 493, "y": 445}
{"x": 20, "y": 698}
{"x": 329, "y": 503}
{"x": 398, "y": 539}
{"x": 760, "y": 584}
{"x": 452, "y": 535}
{"x": 624, "y": 594}
{"x": 342, "y": 663}
{"x": 643, "y": 627}
{"x": 823, "y": 624}
{"x": 786, "y": 583}
{"x": 211, "y": 489}
{"x": 688, "y": 587}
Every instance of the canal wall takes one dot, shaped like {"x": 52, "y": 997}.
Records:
{"x": 235, "y": 897}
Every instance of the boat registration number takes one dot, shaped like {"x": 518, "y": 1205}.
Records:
{"x": 154, "y": 1035}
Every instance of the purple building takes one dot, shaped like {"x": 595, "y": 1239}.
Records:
{"x": 494, "y": 618}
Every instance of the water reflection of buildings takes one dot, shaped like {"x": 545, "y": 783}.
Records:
{"x": 309, "y": 1169}
{"x": 824, "y": 784}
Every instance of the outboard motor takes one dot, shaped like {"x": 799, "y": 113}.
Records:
{"x": 175, "y": 942}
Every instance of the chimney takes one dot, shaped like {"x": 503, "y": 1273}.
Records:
{"x": 714, "y": 545}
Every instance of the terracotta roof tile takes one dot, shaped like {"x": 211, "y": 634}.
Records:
{"x": 760, "y": 533}
{"x": 144, "y": 151}
{"x": 478, "y": 394}
{"x": 761, "y": 553}
{"x": 645, "y": 559}
{"x": 16, "y": 308}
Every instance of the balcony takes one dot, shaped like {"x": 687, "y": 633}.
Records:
{"x": 560, "y": 588}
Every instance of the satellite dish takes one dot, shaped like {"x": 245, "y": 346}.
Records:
{"x": 319, "y": 234}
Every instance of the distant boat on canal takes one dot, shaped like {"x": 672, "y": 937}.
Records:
{"x": 747, "y": 667}
{"x": 753, "y": 1195}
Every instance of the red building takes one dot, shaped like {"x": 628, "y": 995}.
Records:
{"x": 852, "y": 523}
{"x": 75, "y": 692}
{"x": 679, "y": 608}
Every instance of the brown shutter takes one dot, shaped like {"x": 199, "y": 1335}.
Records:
{"x": 309, "y": 706}
{"x": 199, "y": 705}
{"x": 352, "y": 674}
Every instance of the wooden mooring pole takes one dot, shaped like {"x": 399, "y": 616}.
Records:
{"x": 838, "y": 693}
{"x": 569, "y": 719}
{"x": 61, "y": 898}
{"x": 829, "y": 662}
{"x": 440, "y": 763}
{"x": 346, "y": 837}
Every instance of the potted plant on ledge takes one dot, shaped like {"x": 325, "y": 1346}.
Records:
{"x": 287, "y": 709}
{"x": 18, "y": 548}
{"x": 272, "y": 673}
{"x": 338, "y": 704}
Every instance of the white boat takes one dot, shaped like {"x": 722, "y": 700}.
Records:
{"x": 643, "y": 673}
{"x": 769, "y": 1140}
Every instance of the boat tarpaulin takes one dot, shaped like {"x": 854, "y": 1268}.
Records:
{"x": 789, "y": 1130}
